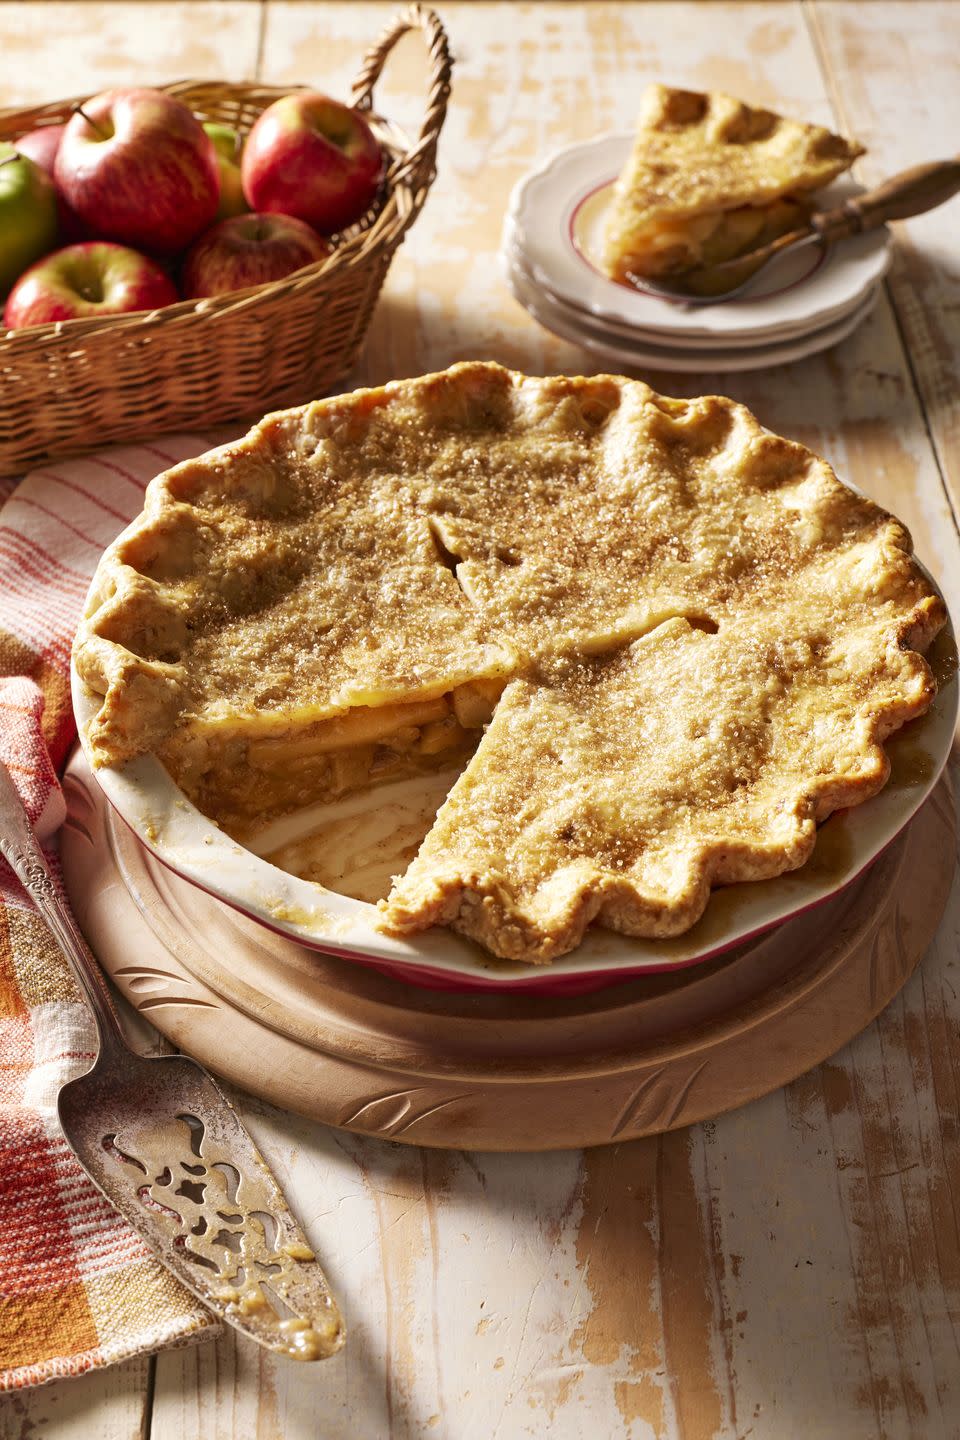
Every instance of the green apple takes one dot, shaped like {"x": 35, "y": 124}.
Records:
{"x": 28, "y": 214}
{"x": 228, "y": 144}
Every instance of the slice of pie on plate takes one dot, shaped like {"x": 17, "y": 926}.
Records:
{"x": 710, "y": 178}
{"x": 660, "y": 643}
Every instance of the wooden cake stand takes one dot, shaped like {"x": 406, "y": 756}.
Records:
{"x": 350, "y": 1047}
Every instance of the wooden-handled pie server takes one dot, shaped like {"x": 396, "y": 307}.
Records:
{"x": 911, "y": 192}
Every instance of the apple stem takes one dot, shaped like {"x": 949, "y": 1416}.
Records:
{"x": 79, "y": 110}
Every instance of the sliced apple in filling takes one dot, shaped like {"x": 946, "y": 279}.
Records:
{"x": 710, "y": 178}
{"x": 243, "y": 775}
{"x": 710, "y": 239}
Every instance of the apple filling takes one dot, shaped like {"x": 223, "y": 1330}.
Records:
{"x": 243, "y": 780}
{"x": 671, "y": 247}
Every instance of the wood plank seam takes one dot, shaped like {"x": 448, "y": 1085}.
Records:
{"x": 146, "y": 1424}
{"x": 261, "y": 38}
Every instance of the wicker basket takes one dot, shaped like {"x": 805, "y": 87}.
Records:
{"x": 81, "y": 383}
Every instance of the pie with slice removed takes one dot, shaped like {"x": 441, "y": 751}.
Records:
{"x": 659, "y": 643}
{"x": 710, "y": 178}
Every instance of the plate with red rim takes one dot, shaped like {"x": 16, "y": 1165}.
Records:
{"x": 145, "y": 797}
{"x": 555, "y": 218}
{"x": 515, "y": 268}
{"x": 642, "y": 353}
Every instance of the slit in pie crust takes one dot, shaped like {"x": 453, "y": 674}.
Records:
{"x": 662, "y": 643}
{"x": 710, "y": 178}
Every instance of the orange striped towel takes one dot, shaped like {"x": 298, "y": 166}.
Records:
{"x": 78, "y": 1289}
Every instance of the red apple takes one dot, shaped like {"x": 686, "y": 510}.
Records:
{"x": 42, "y": 146}
{"x": 85, "y": 281}
{"x": 311, "y": 157}
{"x": 138, "y": 167}
{"x": 249, "y": 250}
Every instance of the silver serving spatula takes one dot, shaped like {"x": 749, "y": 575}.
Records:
{"x": 167, "y": 1148}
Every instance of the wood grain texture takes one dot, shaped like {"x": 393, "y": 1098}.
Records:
{"x": 110, "y": 1404}
{"x": 892, "y": 85}
{"x": 792, "y": 1269}
{"x": 71, "y": 47}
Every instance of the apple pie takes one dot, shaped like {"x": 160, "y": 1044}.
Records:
{"x": 659, "y": 643}
{"x": 710, "y": 178}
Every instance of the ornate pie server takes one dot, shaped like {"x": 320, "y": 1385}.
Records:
{"x": 168, "y": 1150}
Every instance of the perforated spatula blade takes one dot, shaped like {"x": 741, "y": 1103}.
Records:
{"x": 167, "y": 1148}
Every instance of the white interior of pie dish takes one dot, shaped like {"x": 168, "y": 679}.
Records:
{"x": 148, "y": 800}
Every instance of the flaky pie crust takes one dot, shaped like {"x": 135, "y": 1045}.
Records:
{"x": 699, "y": 637}
{"x": 704, "y": 161}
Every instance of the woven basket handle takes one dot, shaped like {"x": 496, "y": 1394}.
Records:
{"x": 418, "y": 165}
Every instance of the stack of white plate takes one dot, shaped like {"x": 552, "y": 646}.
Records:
{"x": 798, "y": 304}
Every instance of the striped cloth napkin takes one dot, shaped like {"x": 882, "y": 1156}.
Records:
{"x": 78, "y": 1289}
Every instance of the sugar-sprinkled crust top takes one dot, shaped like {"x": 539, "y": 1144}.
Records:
{"x": 704, "y": 637}
{"x": 698, "y": 157}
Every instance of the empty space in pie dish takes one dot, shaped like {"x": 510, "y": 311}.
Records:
{"x": 357, "y": 844}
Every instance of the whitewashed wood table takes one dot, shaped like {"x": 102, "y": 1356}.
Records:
{"x": 789, "y": 1270}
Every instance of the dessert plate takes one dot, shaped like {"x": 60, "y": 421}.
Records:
{"x": 644, "y": 353}
{"x": 555, "y": 217}
{"x": 512, "y": 260}
{"x": 328, "y": 920}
